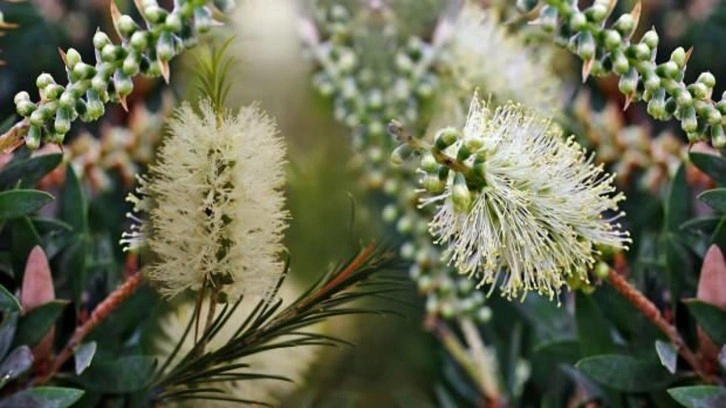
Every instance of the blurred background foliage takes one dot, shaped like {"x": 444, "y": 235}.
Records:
{"x": 539, "y": 350}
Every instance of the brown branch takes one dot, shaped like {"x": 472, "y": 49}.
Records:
{"x": 14, "y": 137}
{"x": 651, "y": 312}
{"x": 99, "y": 314}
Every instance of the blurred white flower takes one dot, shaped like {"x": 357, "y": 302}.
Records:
{"x": 538, "y": 218}
{"x": 480, "y": 53}
{"x": 215, "y": 204}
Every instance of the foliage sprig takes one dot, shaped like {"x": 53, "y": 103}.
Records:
{"x": 607, "y": 49}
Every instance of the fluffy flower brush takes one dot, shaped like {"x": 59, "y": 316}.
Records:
{"x": 516, "y": 203}
{"x": 215, "y": 204}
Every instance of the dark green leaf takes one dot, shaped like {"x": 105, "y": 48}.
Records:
{"x": 8, "y": 302}
{"x": 26, "y": 173}
{"x": 43, "y": 397}
{"x": 17, "y": 203}
{"x": 624, "y": 373}
{"x": 83, "y": 355}
{"x": 7, "y": 331}
{"x": 73, "y": 268}
{"x": 677, "y": 207}
{"x": 714, "y": 166}
{"x": 712, "y": 319}
{"x": 74, "y": 209}
{"x": 719, "y": 235}
{"x": 124, "y": 375}
{"x": 562, "y": 351}
{"x": 699, "y": 396}
{"x": 33, "y": 326}
{"x": 24, "y": 239}
{"x": 667, "y": 354}
{"x": 715, "y": 198}
{"x": 15, "y": 364}
{"x": 593, "y": 330}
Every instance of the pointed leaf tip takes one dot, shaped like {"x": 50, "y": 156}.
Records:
{"x": 37, "y": 288}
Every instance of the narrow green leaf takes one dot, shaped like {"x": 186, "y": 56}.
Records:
{"x": 667, "y": 354}
{"x": 74, "y": 209}
{"x": 7, "y": 331}
{"x": 123, "y": 375}
{"x": 83, "y": 355}
{"x": 43, "y": 397}
{"x": 715, "y": 198}
{"x": 562, "y": 351}
{"x": 714, "y": 166}
{"x": 719, "y": 235}
{"x": 680, "y": 267}
{"x": 677, "y": 205}
{"x": 712, "y": 319}
{"x": 15, "y": 364}
{"x": 33, "y": 326}
{"x": 18, "y": 203}
{"x": 26, "y": 173}
{"x": 8, "y": 302}
{"x": 24, "y": 238}
{"x": 699, "y": 396}
{"x": 593, "y": 330}
{"x": 73, "y": 267}
{"x": 625, "y": 373}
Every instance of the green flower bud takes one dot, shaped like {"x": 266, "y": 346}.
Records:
{"x": 38, "y": 117}
{"x": 100, "y": 40}
{"x": 390, "y": 213}
{"x": 650, "y": 39}
{"x": 577, "y": 22}
{"x": 400, "y": 154}
{"x": 640, "y": 52}
{"x": 446, "y": 137}
{"x": 625, "y": 25}
{"x": 657, "y": 105}
{"x": 460, "y": 194}
{"x": 612, "y": 39}
{"x": 32, "y": 138}
{"x": 21, "y": 96}
{"x": 126, "y": 26}
{"x": 165, "y": 47}
{"x": 62, "y": 121}
{"x": 629, "y": 82}
{"x": 72, "y": 58}
{"x": 155, "y": 14}
{"x": 139, "y": 40}
{"x": 173, "y": 23}
{"x": 130, "y": 66}
{"x": 433, "y": 184}
{"x": 679, "y": 57}
{"x": 652, "y": 82}
{"x": 428, "y": 162}
{"x": 404, "y": 225}
{"x": 112, "y": 53}
{"x": 525, "y": 6}
{"x": 122, "y": 83}
{"x": 25, "y": 108}
{"x": 597, "y": 13}
{"x": 548, "y": 18}
{"x": 82, "y": 71}
{"x": 684, "y": 97}
{"x": 44, "y": 80}
{"x": 718, "y": 136}
{"x": 585, "y": 46}
{"x": 620, "y": 62}
{"x": 484, "y": 315}
{"x": 689, "y": 122}
{"x": 52, "y": 92}
{"x": 699, "y": 91}
{"x": 668, "y": 69}
{"x": 707, "y": 79}
{"x": 224, "y": 6}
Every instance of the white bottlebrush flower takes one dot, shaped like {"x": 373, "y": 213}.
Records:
{"x": 539, "y": 216}
{"x": 290, "y": 362}
{"x": 480, "y": 53}
{"x": 215, "y": 204}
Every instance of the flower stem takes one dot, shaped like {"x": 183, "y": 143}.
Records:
{"x": 651, "y": 312}
{"x": 462, "y": 356}
{"x": 99, "y": 314}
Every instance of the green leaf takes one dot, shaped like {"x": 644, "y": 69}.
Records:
{"x": 625, "y": 373}
{"x": 7, "y": 331}
{"x": 677, "y": 205}
{"x": 680, "y": 267}
{"x": 667, "y": 354}
{"x": 712, "y": 319}
{"x": 719, "y": 235}
{"x": 8, "y": 302}
{"x": 123, "y": 375}
{"x": 699, "y": 396}
{"x": 715, "y": 198}
{"x": 714, "y": 166}
{"x": 24, "y": 238}
{"x": 73, "y": 267}
{"x": 43, "y": 397}
{"x": 26, "y": 173}
{"x": 74, "y": 209}
{"x": 33, "y": 326}
{"x": 562, "y": 351}
{"x": 18, "y": 203}
{"x": 83, "y": 355}
{"x": 15, "y": 364}
{"x": 593, "y": 330}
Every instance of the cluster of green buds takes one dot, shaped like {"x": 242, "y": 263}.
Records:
{"x": 609, "y": 49}
{"x": 373, "y": 74}
{"x": 90, "y": 87}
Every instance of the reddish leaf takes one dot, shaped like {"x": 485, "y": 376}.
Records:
{"x": 711, "y": 286}
{"x": 37, "y": 288}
